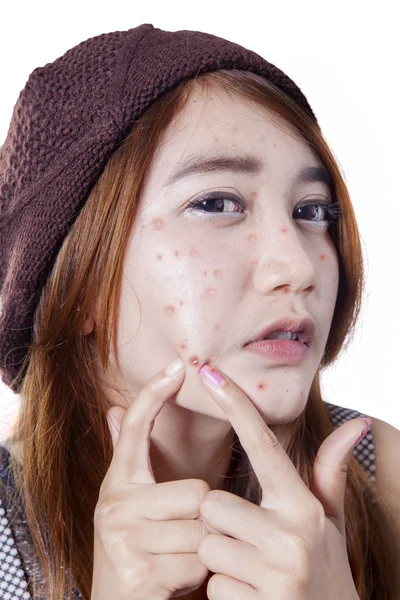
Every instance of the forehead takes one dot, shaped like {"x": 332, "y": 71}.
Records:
{"x": 215, "y": 120}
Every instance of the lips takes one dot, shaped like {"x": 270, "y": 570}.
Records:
{"x": 305, "y": 329}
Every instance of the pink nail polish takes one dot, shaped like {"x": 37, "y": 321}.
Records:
{"x": 213, "y": 376}
{"x": 364, "y": 433}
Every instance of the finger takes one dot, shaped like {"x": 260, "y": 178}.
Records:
{"x": 272, "y": 466}
{"x": 170, "y": 500}
{"x": 170, "y": 537}
{"x": 222, "y": 586}
{"x": 329, "y": 477}
{"x": 131, "y": 458}
{"x": 233, "y": 558}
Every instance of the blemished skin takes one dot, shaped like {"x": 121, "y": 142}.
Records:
{"x": 199, "y": 285}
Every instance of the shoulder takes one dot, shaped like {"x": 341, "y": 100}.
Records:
{"x": 387, "y": 450}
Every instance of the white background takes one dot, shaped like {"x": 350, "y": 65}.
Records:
{"x": 344, "y": 55}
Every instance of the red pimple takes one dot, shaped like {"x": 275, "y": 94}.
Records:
{"x": 261, "y": 385}
{"x": 216, "y": 327}
{"x": 254, "y": 194}
{"x": 158, "y": 223}
{"x": 159, "y": 256}
{"x": 194, "y": 361}
{"x": 181, "y": 303}
{"x": 252, "y": 237}
{"x": 205, "y": 273}
{"x": 211, "y": 292}
{"x": 170, "y": 310}
{"x": 284, "y": 230}
{"x": 322, "y": 257}
{"x": 193, "y": 251}
{"x": 182, "y": 346}
{"x": 176, "y": 252}
{"x": 217, "y": 274}
{"x": 286, "y": 290}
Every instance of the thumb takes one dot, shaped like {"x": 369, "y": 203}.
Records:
{"x": 114, "y": 418}
{"x": 330, "y": 468}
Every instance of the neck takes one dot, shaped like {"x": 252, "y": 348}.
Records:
{"x": 188, "y": 445}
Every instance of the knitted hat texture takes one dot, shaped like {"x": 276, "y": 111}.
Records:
{"x": 70, "y": 117}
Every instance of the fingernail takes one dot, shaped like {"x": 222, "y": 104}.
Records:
{"x": 174, "y": 368}
{"x": 365, "y": 431}
{"x": 214, "y": 377}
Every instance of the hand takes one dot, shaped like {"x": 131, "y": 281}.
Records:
{"x": 146, "y": 534}
{"x": 292, "y": 546}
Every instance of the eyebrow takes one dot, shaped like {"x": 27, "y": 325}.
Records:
{"x": 248, "y": 163}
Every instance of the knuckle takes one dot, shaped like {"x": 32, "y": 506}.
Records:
{"x": 105, "y": 512}
{"x": 267, "y": 439}
{"x": 201, "y": 488}
{"x": 137, "y": 575}
{"x": 298, "y": 566}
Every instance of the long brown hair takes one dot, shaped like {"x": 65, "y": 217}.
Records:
{"x": 62, "y": 424}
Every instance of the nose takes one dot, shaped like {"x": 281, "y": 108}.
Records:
{"x": 285, "y": 264}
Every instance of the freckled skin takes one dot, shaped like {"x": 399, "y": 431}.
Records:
{"x": 257, "y": 282}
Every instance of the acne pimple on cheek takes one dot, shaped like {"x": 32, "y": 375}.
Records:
{"x": 284, "y": 230}
{"x": 217, "y": 274}
{"x": 158, "y": 223}
{"x": 261, "y": 385}
{"x": 252, "y": 237}
{"x": 193, "y": 251}
{"x": 181, "y": 303}
{"x": 205, "y": 273}
{"x": 176, "y": 252}
{"x": 194, "y": 361}
{"x": 211, "y": 292}
{"x": 322, "y": 257}
{"x": 182, "y": 346}
{"x": 286, "y": 290}
{"x": 159, "y": 256}
{"x": 170, "y": 310}
{"x": 216, "y": 327}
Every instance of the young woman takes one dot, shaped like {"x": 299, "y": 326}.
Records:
{"x": 180, "y": 259}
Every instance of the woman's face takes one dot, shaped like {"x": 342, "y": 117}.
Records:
{"x": 201, "y": 282}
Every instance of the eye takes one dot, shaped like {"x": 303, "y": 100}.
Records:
{"x": 319, "y": 212}
{"x": 216, "y": 202}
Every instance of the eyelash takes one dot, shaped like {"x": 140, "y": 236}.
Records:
{"x": 331, "y": 209}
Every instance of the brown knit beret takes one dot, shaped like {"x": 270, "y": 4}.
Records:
{"x": 68, "y": 120}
